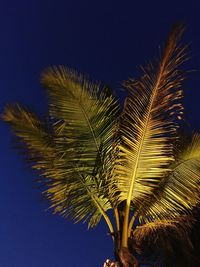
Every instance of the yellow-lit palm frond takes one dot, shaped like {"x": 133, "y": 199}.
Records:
{"x": 83, "y": 117}
{"x": 178, "y": 193}
{"x": 148, "y": 127}
{"x": 81, "y": 132}
{"x": 84, "y": 121}
{"x": 148, "y": 124}
{"x": 79, "y": 198}
{"x": 31, "y": 131}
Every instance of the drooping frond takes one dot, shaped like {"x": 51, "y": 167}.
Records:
{"x": 78, "y": 197}
{"x": 158, "y": 231}
{"x": 160, "y": 242}
{"x": 83, "y": 120}
{"x": 148, "y": 124}
{"x": 82, "y": 128}
{"x": 179, "y": 192}
{"x": 31, "y": 131}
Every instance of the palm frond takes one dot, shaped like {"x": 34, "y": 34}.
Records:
{"x": 179, "y": 192}
{"x": 161, "y": 241}
{"x": 31, "y": 131}
{"x": 148, "y": 124}
{"x": 157, "y": 231}
{"x": 83, "y": 117}
{"x": 84, "y": 123}
{"x": 78, "y": 198}
{"x": 74, "y": 157}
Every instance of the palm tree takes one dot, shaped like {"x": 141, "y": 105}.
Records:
{"x": 94, "y": 156}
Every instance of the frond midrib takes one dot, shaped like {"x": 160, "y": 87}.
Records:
{"x": 89, "y": 125}
{"x": 98, "y": 205}
{"x": 144, "y": 133}
{"x": 130, "y": 192}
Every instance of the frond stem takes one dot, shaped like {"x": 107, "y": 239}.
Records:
{"x": 132, "y": 222}
{"x": 90, "y": 127}
{"x": 110, "y": 226}
{"x": 107, "y": 219}
{"x": 125, "y": 226}
{"x": 116, "y": 215}
{"x": 101, "y": 209}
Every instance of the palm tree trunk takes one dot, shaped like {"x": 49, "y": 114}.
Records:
{"x": 124, "y": 256}
{"x": 126, "y": 259}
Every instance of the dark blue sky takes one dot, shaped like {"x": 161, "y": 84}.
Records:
{"x": 107, "y": 40}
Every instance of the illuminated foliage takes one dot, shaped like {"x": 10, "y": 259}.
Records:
{"x": 92, "y": 157}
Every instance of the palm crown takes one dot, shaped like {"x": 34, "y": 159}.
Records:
{"x": 93, "y": 157}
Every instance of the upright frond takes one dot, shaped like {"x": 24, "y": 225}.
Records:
{"x": 148, "y": 124}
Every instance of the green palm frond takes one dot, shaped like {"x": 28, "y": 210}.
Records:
{"x": 83, "y": 117}
{"x": 178, "y": 193}
{"x": 84, "y": 122}
{"x": 82, "y": 130}
{"x": 31, "y": 131}
{"x": 76, "y": 196}
{"x": 148, "y": 124}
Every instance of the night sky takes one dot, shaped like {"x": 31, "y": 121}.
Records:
{"x": 107, "y": 40}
